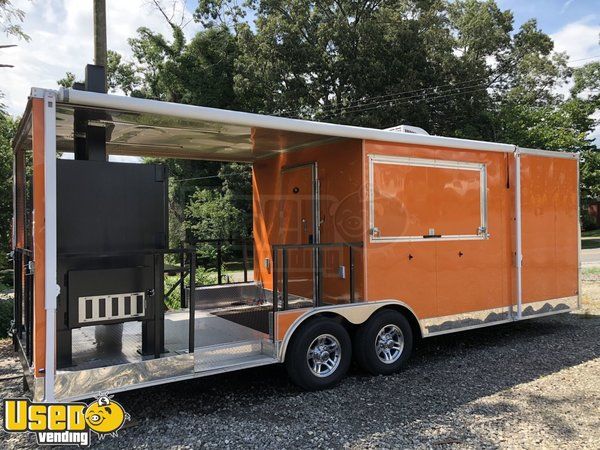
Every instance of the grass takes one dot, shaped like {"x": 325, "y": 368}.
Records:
{"x": 591, "y": 271}
{"x": 590, "y": 239}
{"x": 586, "y": 244}
{"x": 591, "y": 234}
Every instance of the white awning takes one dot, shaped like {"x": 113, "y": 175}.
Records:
{"x": 141, "y": 127}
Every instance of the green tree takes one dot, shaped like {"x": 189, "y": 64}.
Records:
{"x": 11, "y": 20}
{"x": 455, "y": 68}
{"x": 211, "y": 214}
{"x": 198, "y": 72}
{"x": 7, "y": 131}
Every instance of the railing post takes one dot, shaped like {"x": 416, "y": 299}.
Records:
{"x": 182, "y": 300}
{"x": 28, "y": 312}
{"x": 158, "y": 304}
{"x": 244, "y": 259}
{"x": 17, "y": 306}
{"x": 192, "y": 301}
{"x": 18, "y": 284}
{"x": 351, "y": 277}
{"x": 284, "y": 287}
{"x": 219, "y": 261}
{"x": 318, "y": 296}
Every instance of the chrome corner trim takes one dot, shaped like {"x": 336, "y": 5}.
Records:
{"x": 37, "y": 92}
{"x": 578, "y": 234}
{"x": 435, "y": 163}
{"x": 550, "y": 306}
{"x": 518, "y": 234}
{"x": 80, "y": 384}
{"x": 355, "y": 313}
{"x": 51, "y": 288}
{"x": 466, "y": 321}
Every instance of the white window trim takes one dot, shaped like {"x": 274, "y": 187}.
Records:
{"x": 436, "y": 163}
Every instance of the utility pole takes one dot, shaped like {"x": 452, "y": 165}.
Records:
{"x": 100, "y": 36}
{"x": 90, "y": 140}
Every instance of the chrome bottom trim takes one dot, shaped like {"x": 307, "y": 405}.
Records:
{"x": 130, "y": 379}
{"x": 476, "y": 319}
{"x": 465, "y": 321}
{"x": 231, "y": 353}
{"x": 86, "y": 383}
{"x": 551, "y": 306}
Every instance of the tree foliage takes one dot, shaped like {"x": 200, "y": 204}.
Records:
{"x": 11, "y": 20}
{"x": 7, "y": 130}
{"x": 456, "y": 68}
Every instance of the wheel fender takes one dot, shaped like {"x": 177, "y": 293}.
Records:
{"x": 355, "y": 313}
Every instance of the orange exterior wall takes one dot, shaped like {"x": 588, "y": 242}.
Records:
{"x": 340, "y": 176}
{"x": 439, "y": 278}
{"x": 39, "y": 238}
{"x": 550, "y": 227}
{"x": 436, "y": 277}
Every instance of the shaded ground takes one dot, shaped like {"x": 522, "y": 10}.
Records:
{"x": 533, "y": 384}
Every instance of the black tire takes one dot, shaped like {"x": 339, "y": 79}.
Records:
{"x": 365, "y": 348}
{"x": 297, "y": 360}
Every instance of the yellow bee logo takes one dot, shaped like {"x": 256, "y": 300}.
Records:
{"x": 105, "y": 416}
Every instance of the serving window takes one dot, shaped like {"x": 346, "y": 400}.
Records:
{"x": 414, "y": 199}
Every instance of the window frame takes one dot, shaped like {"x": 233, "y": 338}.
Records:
{"x": 482, "y": 232}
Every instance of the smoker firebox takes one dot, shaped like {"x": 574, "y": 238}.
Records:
{"x": 112, "y": 223}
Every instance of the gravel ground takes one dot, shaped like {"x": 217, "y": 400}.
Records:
{"x": 533, "y": 384}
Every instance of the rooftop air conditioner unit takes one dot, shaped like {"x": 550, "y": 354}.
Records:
{"x": 407, "y": 129}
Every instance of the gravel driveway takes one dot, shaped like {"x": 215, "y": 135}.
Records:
{"x": 533, "y": 384}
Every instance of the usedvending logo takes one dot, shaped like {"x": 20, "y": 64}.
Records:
{"x": 65, "y": 423}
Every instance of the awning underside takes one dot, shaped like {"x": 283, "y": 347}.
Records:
{"x": 153, "y": 135}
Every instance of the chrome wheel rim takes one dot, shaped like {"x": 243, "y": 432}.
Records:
{"x": 324, "y": 355}
{"x": 389, "y": 344}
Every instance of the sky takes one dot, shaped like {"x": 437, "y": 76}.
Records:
{"x": 61, "y": 36}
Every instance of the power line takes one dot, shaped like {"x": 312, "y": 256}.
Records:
{"x": 415, "y": 99}
{"x": 356, "y": 104}
{"x": 224, "y": 175}
{"x": 419, "y": 97}
{"x": 416, "y": 96}
{"x": 585, "y": 59}
{"x": 395, "y": 94}
{"x": 392, "y": 104}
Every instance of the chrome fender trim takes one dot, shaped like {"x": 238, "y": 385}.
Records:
{"x": 355, "y": 313}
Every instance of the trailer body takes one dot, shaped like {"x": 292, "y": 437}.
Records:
{"x": 348, "y": 222}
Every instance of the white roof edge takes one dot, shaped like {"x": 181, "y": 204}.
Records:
{"x": 549, "y": 153}
{"x": 99, "y": 100}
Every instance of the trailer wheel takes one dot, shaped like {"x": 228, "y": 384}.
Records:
{"x": 319, "y": 355}
{"x": 384, "y": 343}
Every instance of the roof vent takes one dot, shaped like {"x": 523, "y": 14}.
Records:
{"x": 407, "y": 129}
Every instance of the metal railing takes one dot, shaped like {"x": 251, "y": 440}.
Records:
{"x": 219, "y": 243}
{"x": 23, "y": 300}
{"x": 182, "y": 270}
{"x": 317, "y": 271}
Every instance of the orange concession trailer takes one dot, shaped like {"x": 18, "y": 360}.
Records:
{"x": 364, "y": 241}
